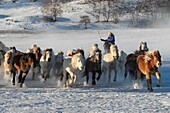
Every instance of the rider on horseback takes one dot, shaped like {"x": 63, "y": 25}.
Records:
{"x": 109, "y": 41}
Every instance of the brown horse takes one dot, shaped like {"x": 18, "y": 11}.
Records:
{"x": 131, "y": 65}
{"x": 22, "y": 62}
{"x": 35, "y": 71}
{"x": 148, "y": 65}
{"x": 93, "y": 65}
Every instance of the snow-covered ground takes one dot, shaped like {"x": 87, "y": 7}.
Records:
{"x": 104, "y": 97}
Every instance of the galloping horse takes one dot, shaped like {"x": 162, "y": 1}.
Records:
{"x": 22, "y": 62}
{"x": 35, "y": 71}
{"x": 8, "y": 57}
{"x": 131, "y": 65}
{"x": 148, "y": 65}
{"x": 110, "y": 62}
{"x": 47, "y": 62}
{"x": 58, "y": 66}
{"x": 72, "y": 66}
{"x": 93, "y": 65}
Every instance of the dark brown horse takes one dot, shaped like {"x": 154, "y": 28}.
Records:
{"x": 148, "y": 65}
{"x": 22, "y": 62}
{"x": 93, "y": 65}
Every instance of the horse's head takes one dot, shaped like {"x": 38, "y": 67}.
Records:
{"x": 157, "y": 58}
{"x": 59, "y": 56}
{"x": 78, "y": 61}
{"x": 143, "y": 46}
{"x": 8, "y": 57}
{"x": 37, "y": 52}
{"x": 31, "y": 59}
{"x": 48, "y": 53}
{"x": 114, "y": 51}
{"x": 96, "y": 57}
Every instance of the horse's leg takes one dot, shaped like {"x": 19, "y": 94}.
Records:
{"x": 19, "y": 76}
{"x": 115, "y": 75}
{"x": 93, "y": 78}
{"x": 13, "y": 78}
{"x": 64, "y": 78}
{"x": 158, "y": 76}
{"x": 149, "y": 82}
{"x": 23, "y": 78}
{"x": 109, "y": 71}
{"x": 71, "y": 75}
{"x": 126, "y": 70}
{"x": 99, "y": 74}
{"x": 87, "y": 77}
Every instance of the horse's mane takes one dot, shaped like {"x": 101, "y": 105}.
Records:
{"x": 74, "y": 59}
{"x": 148, "y": 56}
{"x": 44, "y": 53}
{"x": 58, "y": 52}
{"x": 114, "y": 50}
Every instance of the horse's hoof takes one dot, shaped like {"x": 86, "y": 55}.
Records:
{"x": 13, "y": 83}
{"x": 158, "y": 85}
{"x": 93, "y": 84}
{"x": 98, "y": 78}
{"x": 151, "y": 90}
{"x": 20, "y": 85}
{"x": 114, "y": 80}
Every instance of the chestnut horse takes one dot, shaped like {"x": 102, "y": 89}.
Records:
{"x": 148, "y": 65}
{"x": 131, "y": 65}
{"x": 93, "y": 65}
{"x": 22, "y": 62}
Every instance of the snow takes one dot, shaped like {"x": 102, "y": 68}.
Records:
{"x": 117, "y": 97}
{"x": 104, "y": 97}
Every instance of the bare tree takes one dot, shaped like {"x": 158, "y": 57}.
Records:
{"x": 52, "y": 8}
{"x": 85, "y": 20}
{"x": 95, "y": 6}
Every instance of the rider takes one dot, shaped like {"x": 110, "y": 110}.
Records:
{"x": 108, "y": 42}
{"x": 110, "y": 39}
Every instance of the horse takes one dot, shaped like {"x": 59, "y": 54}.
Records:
{"x": 22, "y": 62}
{"x": 148, "y": 65}
{"x": 2, "y": 53}
{"x": 110, "y": 62}
{"x": 72, "y": 67}
{"x": 58, "y": 66}
{"x": 93, "y": 64}
{"x": 130, "y": 64}
{"x": 37, "y": 51}
{"x": 8, "y": 57}
{"x": 106, "y": 47}
{"x": 46, "y": 63}
{"x": 73, "y": 52}
{"x": 122, "y": 60}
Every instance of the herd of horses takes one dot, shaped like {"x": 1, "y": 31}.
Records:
{"x": 137, "y": 65}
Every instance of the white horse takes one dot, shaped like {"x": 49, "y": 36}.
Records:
{"x": 72, "y": 66}
{"x": 47, "y": 62}
{"x": 110, "y": 62}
